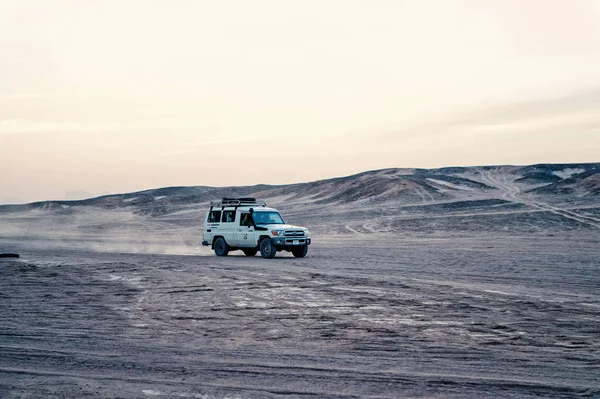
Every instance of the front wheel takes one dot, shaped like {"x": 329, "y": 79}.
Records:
{"x": 221, "y": 247}
{"x": 300, "y": 252}
{"x": 250, "y": 252}
{"x": 267, "y": 249}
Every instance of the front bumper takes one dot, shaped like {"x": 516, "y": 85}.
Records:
{"x": 290, "y": 242}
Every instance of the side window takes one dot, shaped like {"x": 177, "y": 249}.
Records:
{"x": 228, "y": 216}
{"x": 245, "y": 220}
{"x": 214, "y": 216}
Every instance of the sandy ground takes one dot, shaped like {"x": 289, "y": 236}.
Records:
{"x": 415, "y": 287}
{"x": 363, "y": 316}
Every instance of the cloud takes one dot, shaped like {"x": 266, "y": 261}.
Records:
{"x": 26, "y": 96}
{"x": 572, "y": 113}
{"x": 23, "y": 126}
{"x": 574, "y": 104}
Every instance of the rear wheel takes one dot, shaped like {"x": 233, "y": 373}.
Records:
{"x": 221, "y": 247}
{"x": 267, "y": 249}
{"x": 250, "y": 252}
{"x": 300, "y": 252}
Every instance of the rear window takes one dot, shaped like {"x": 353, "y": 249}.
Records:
{"x": 214, "y": 216}
{"x": 228, "y": 216}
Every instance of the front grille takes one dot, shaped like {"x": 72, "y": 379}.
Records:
{"x": 294, "y": 233}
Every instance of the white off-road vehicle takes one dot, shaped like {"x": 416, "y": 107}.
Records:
{"x": 249, "y": 225}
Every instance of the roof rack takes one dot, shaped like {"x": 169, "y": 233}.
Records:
{"x": 238, "y": 202}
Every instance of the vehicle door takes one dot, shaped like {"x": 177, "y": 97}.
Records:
{"x": 246, "y": 235}
{"x": 228, "y": 227}
{"x": 211, "y": 226}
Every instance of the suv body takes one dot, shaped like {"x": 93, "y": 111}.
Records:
{"x": 249, "y": 225}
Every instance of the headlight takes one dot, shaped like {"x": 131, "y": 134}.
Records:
{"x": 278, "y": 233}
{"x": 306, "y": 233}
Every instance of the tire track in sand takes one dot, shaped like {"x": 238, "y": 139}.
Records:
{"x": 511, "y": 192}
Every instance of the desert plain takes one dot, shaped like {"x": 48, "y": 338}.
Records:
{"x": 420, "y": 283}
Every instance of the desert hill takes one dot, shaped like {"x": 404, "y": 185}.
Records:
{"x": 542, "y": 199}
{"x": 408, "y": 185}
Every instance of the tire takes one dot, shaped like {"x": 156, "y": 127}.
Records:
{"x": 221, "y": 247}
{"x": 267, "y": 249}
{"x": 250, "y": 252}
{"x": 300, "y": 252}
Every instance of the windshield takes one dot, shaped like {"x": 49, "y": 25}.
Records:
{"x": 267, "y": 218}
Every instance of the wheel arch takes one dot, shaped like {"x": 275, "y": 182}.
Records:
{"x": 262, "y": 237}
{"x": 212, "y": 244}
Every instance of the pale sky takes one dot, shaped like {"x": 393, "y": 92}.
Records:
{"x": 118, "y": 96}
